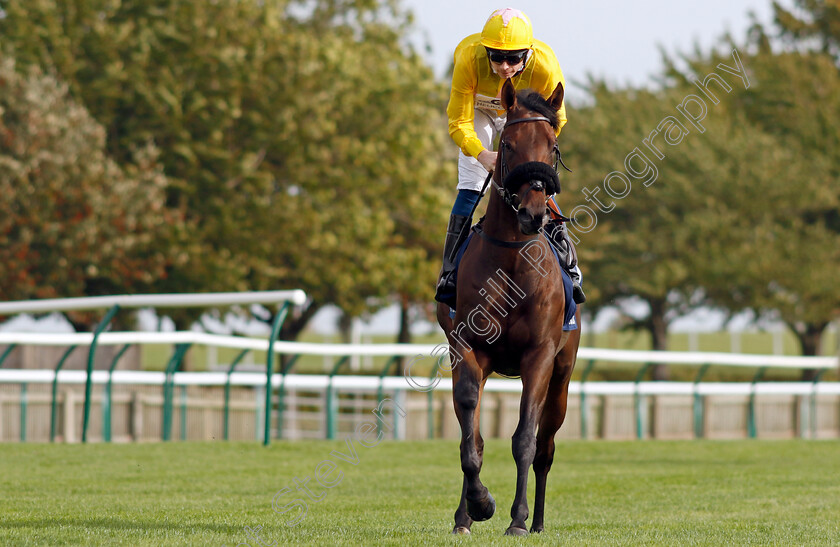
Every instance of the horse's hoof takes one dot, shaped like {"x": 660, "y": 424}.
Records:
{"x": 516, "y": 531}
{"x": 481, "y": 510}
{"x": 537, "y": 529}
{"x": 461, "y": 531}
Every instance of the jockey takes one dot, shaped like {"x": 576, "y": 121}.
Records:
{"x": 504, "y": 49}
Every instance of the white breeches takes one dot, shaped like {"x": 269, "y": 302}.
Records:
{"x": 471, "y": 174}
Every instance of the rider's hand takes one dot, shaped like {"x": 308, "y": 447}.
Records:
{"x": 487, "y": 159}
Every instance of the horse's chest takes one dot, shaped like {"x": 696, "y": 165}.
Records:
{"x": 512, "y": 331}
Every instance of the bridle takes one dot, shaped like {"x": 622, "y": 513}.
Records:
{"x": 512, "y": 199}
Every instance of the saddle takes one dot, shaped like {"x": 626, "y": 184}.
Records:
{"x": 566, "y": 259}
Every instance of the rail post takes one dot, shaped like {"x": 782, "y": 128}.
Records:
{"x": 638, "y": 400}
{"x": 236, "y": 360}
{"x": 380, "y": 390}
{"x": 91, "y": 356}
{"x": 281, "y": 396}
{"x": 751, "y": 419}
{"x": 54, "y": 400}
{"x": 584, "y": 410}
{"x": 331, "y": 402}
{"x": 269, "y": 367}
{"x": 6, "y": 353}
{"x": 183, "y": 413}
{"x": 23, "y": 404}
{"x": 108, "y": 401}
{"x": 812, "y": 407}
{"x": 430, "y": 401}
{"x": 699, "y": 403}
{"x": 173, "y": 365}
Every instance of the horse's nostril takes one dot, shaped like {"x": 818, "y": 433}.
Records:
{"x": 529, "y": 223}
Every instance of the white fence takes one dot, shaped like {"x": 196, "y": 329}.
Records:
{"x": 811, "y": 401}
{"x": 114, "y": 304}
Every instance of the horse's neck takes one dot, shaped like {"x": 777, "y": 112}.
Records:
{"x": 500, "y": 220}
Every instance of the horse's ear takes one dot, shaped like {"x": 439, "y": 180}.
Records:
{"x": 508, "y": 95}
{"x": 556, "y": 99}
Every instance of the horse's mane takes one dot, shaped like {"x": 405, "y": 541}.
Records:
{"x": 532, "y": 100}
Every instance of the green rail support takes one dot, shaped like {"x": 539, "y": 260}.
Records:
{"x": 6, "y": 353}
{"x": 639, "y": 400}
{"x": 23, "y": 404}
{"x": 699, "y": 403}
{"x": 332, "y": 409}
{"x": 259, "y": 415}
{"x": 584, "y": 411}
{"x": 751, "y": 425}
{"x": 380, "y": 391}
{"x": 91, "y": 356}
{"x": 108, "y": 401}
{"x": 236, "y": 361}
{"x": 183, "y": 413}
{"x": 430, "y": 402}
{"x": 269, "y": 368}
{"x": 281, "y": 396}
{"x": 173, "y": 365}
{"x": 812, "y": 404}
{"x": 54, "y": 401}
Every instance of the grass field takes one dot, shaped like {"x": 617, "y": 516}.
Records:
{"x": 600, "y": 493}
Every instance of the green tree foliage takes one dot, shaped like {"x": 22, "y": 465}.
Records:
{"x": 789, "y": 213}
{"x": 300, "y": 139}
{"x": 819, "y": 23}
{"x": 72, "y": 221}
{"x": 743, "y": 215}
{"x": 639, "y": 247}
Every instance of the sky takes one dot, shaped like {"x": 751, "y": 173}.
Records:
{"x": 616, "y": 40}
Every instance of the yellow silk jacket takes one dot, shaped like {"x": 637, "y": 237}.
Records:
{"x": 475, "y": 85}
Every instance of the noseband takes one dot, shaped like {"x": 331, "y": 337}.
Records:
{"x": 540, "y": 176}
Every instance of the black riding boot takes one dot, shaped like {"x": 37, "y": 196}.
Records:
{"x": 577, "y": 291}
{"x": 455, "y": 235}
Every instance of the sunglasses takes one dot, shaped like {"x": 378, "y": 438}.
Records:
{"x": 509, "y": 57}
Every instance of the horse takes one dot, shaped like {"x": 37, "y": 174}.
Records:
{"x": 509, "y": 314}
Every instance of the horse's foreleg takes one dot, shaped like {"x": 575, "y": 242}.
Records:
{"x": 534, "y": 389}
{"x": 476, "y": 502}
{"x": 553, "y": 414}
{"x": 462, "y": 518}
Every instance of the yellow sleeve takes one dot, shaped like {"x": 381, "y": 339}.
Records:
{"x": 461, "y": 108}
{"x": 547, "y": 73}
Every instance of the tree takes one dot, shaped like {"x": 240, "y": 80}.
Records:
{"x": 285, "y": 129}
{"x": 638, "y": 245}
{"x": 787, "y": 216}
{"x": 820, "y": 24}
{"x": 73, "y": 222}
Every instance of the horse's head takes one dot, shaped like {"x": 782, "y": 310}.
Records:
{"x": 528, "y": 154}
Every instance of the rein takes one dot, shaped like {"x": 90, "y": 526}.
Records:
{"x": 510, "y": 198}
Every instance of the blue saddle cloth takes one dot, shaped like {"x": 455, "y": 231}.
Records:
{"x": 569, "y": 322}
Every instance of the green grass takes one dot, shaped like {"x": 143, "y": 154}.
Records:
{"x": 600, "y": 493}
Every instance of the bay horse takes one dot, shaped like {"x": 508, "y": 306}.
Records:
{"x": 510, "y": 314}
